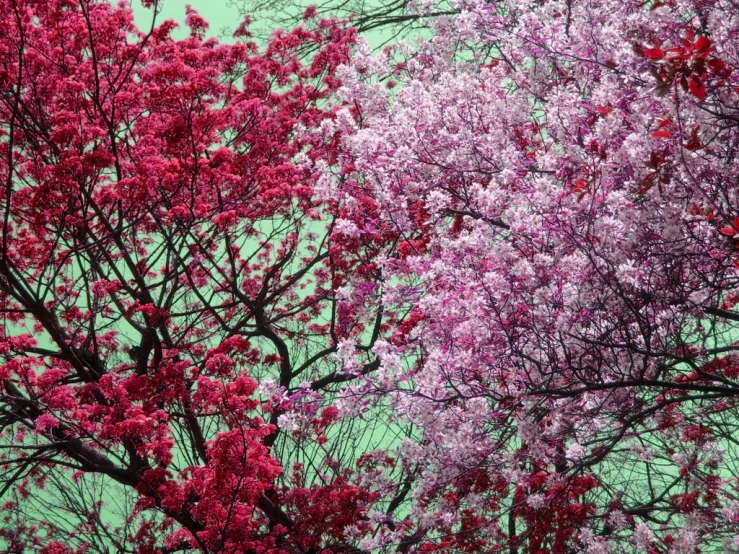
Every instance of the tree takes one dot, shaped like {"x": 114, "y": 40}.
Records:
{"x": 562, "y": 176}
{"x": 163, "y": 258}
{"x": 394, "y": 19}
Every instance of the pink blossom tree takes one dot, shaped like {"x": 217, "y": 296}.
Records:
{"x": 562, "y": 180}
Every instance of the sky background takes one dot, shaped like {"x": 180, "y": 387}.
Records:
{"x": 217, "y": 13}
{"x": 223, "y": 18}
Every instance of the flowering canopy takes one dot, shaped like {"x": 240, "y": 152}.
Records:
{"x": 562, "y": 179}
{"x": 474, "y": 295}
{"x": 161, "y": 258}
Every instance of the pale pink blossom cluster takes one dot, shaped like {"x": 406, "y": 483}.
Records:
{"x": 572, "y": 168}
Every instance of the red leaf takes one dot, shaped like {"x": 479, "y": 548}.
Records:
{"x": 678, "y": 54}
{"x": 702, "y": 46}
{"x": 695, "y": 209}
{"x": 663, "y": 133}
{"x": 579, "y": 186}
{"x": 647, "y": 184}
{"x": 728, "y": 231}
{"x": 693, "y": 145}
{"x": 697, "y": 88}
{"x": 653, "y": 53}
{"x": 716, "y": 65}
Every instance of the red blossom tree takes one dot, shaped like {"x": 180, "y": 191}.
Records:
{"x": 162, "y": 257}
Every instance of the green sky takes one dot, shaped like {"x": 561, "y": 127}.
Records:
{"x": 217, "y": 13}
{"x": 223, "y": 17}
